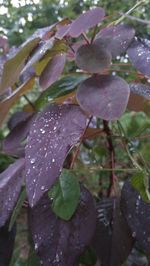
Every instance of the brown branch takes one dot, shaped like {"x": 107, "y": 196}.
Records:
{"x": 111, "y": 149}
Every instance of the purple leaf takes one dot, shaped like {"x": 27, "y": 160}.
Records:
{"x": 7, "y": 240}
{"x": 52, "y": 71}
{"x": 93, "y": 58}
{"x": 55, "y": 131}
{"x": 137, "y": 214}
{"x": 10, "y": 187}
{"x": 13, "y": 143}
{"x": 86, "y": 21}
{"x": 104, "y": 96}
{"x": 113, "y": 240}
{"x": 62, "y": 31}
{"x": 58, "y": 242}
{"x": 115, "y": 39}
{"x": 17, "y": 118}
{"x": 139, "y": 54}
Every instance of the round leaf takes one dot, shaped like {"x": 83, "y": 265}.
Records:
{"x": 115, "y": 38}
{"x": 104, "y": 96}
{"x": 93, "y": 58}
{"x": 86, "y": 21}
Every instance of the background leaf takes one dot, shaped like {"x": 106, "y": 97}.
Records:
{"x": 10, "y": 187}
{"x": 52, "y": 71}
{"x": 113, "y": 240}
{"x": 137, "y": 214}
{"x": 139, "y": 54}
{"x": 86, "y": 21}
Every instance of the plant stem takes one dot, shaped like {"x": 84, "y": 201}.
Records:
{"x": 29, "y": 102}
{"x": 111, "y": 156}
{"x": 78, "y": 148}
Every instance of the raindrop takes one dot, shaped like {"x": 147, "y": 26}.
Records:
{"x": 42, "y": 130}
{"x": 36, "y": 246}
{"x": 134, "y": 234}
{"x": 42, "y": 187}
{"x": 32, "y": 161}
{"x": 57, "y": 257}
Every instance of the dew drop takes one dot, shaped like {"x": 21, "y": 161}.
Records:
{"x": 42, "y": 187}
{"x": 36, "y": 246}
{"x": 134, "y": 234}
{"x": 32, "y": 161}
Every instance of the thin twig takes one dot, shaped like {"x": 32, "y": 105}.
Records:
{"x": 143, "y": 21}
{"x": 29, "y": 102}
{"x": 78, "y": 148}
{"x": 85, "y": 38}
{"x": 69, "y": 45}
{"x": 94, "y": 34}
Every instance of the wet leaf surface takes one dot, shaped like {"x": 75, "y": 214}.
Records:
{"x": 65, "y": 194}
{"x": 10, "y": 186}
{"x": 113, "y": 240}
{"x": 55, "y": 131}
{"x": 52, "y": 71}
{"x": 58, "y": 242}
{"x": 137, "y": 214}
{"x": 139, "y": 54}
{"x": 115, "y": 39}
{"x": 93, "y": 58}
{"x": 104, "y": 96}
{"x": 86, "y": 21}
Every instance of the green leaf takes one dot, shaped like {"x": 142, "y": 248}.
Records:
{"x": 59, "y": 88}
{"x": 88, "y": 258}
{"x": 33, "y": 260}
{"x": 65, "y": 194}
{"x": 17, "y": 209}
{"x": 140, "y": 183}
